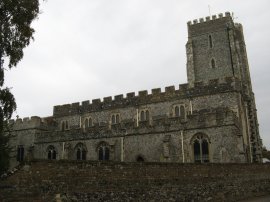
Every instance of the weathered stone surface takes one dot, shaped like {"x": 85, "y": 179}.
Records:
{"x": 114, "y": 181}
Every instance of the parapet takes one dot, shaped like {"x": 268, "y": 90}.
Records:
{"x": 27, "y": 123}
{"x": 208, "y": 18}
{"x": 209, "y": 23}
{"x": 143, "y": 97}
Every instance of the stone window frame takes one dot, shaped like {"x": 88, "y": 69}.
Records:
{"x": 200, "y": 138}
{"x": 144, "y": 115}
{"x": 81, "y": 149}
{"x": 115, "y": 118}
{"x": 179, "y": 106}
{"x": 51, "y": 152}
{"x": 89, "y": 122}
{"x": 103, "y": 151}
{"x": 64, "y": 125}
{"x": 20, "y": 153}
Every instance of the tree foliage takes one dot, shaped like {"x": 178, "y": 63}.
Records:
{"x": 16, "y": 33}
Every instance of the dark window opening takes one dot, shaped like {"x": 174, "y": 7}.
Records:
{"x": 182, "y": 111}
{"x": 86, "y": 123}
{"x": 142, "y": 116}
{"x": 66, "y": 124}
{"x": 51, "y": 153}
{"x": 103, "y": 153}
{"x": 63, "y": 126}
{"x": 213, "y": 63}
{"x": 90, "y": 122}
{"x": 107, "y": 154}
{"x": 210, "y": 41}
{"x": 205, "y": 151}
{"x": 147, "y": 115}
{"x": 197, "y": 152}
{"x": 20, "y": 153}
{"x": 100, "y": 154}
{"x": 176, "y": 111}
{"x": 81, "y": 154}
{"x": 113, "y": 119}
{"x": 54, "y": 155}
{"x": 117, "y": 118}
{"x": 140, "y": 159}
{"x": 201, "y": 150}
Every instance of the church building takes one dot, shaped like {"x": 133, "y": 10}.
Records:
{"x": 212, "y": 118}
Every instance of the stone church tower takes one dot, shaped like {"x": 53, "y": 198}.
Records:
{"x": 215, "y": 50}
{"x": 212, "y": 118}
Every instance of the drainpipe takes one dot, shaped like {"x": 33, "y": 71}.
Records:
{"x": 122, "y": 149}
{"x": 182, "y": 143}
{"x": 137, "y": 118}
{"x": 63, "y": 149}
{"x": 190, "y": 105}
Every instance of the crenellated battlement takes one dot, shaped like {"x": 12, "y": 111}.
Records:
{"x": 209, "y": 18}
{"x": 144, "y": 97}
{"x": 29, "y": 122}
{"x": 26, "y": 120}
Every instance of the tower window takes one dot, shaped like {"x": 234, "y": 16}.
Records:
{"x": 179, "y": 111}
{"x": 213, "y": 63}
{"x": 63, "y": 126}
{"x": 201, "y": 149}
{"x": 210, "y": 41}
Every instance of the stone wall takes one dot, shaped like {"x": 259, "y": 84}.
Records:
{"x": 97, "y": 181}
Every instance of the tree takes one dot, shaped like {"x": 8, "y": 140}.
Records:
{"x": 16, "y": 33}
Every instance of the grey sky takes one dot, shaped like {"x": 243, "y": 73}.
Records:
{"x": 92, "y": 49}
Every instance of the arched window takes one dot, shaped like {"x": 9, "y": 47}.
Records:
{"x": 90, "y": 122}
{"x": 142, "y": 116}
{"x": 20, "y": 153}
{"x": 210, "y": 41}
{"x": 117, "y": 118}
{"x": 86, "y": 123}
{"x": 213, "y": 63}
{"x": 113, "y": 119}
{"x": 176, "y": 111}
{"x": 182, "y": 111}
{"x": 80, "y": 151}
{"x": 63, "y": 126}
{"x": 51, "y": 152}
{"x": 103, "y": 152}
{"x": 200, "y": 148}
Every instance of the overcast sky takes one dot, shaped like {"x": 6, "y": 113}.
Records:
{"x": 91, "y": 49}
